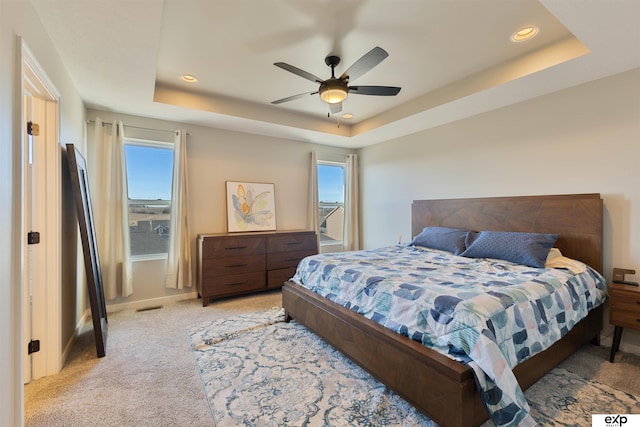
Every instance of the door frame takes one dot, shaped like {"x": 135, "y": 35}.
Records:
{"x": 45, "y": 298}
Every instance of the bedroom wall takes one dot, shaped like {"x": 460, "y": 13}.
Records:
{"x": 215, "y": 156}
{"x": 10, "y": 392}
{"x": 580, "y": 140}
{"x": 18, "y": 18}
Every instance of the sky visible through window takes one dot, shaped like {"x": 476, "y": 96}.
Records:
{"x": 149, "y": 175}
{"x": 149, "y": 171}
{"x": 330, "y": 183}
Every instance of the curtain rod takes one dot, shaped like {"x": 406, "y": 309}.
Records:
{"x": 137, "y": 127}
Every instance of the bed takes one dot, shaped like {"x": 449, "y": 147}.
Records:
{"x": 445, "y": 389}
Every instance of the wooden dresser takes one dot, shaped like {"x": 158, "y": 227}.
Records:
{"x": 238, "y": 263}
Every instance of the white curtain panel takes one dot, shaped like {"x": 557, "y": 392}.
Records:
{"x": 179, "y": 252}
{"x": 351, "y": 235}
{"x": 312, "y": 218}
{"x": 111, "y": 209}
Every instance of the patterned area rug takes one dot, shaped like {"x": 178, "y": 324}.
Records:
{"x": 259, "y": 371}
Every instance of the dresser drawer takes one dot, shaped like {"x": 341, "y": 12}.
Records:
{"x": 627, "y": 319}
{"x": 276, "y": 278}
{"x": 292, "y": 242}
{"x": 287, "y": 259}
{"x": 232, "y": 246}
{"x": 234, "y": 284}
{"x": 213, "y": 267}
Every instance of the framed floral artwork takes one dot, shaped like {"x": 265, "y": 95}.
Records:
{"x": 250, "y": 206}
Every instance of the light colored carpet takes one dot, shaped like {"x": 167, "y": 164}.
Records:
{"x": 258, "y": 370}
{"x": 149, "y": 376}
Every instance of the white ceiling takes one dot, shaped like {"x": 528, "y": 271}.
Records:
{"x": 452, "y": 58}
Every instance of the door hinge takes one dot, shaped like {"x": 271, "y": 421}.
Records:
{"x": 34, "y": 346}
{"x": 33, "y": 128}
{"x": 33, "y": 238}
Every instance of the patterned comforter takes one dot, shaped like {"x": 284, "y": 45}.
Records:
{"x": 488, "y": 314}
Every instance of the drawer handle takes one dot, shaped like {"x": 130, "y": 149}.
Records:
{"x": 236, "y": 247}
{"x": 293, "y": 260}
{"x": 235, "y": 265}
{"x": 236, "y": 283}
{"x": 293, "y": 243}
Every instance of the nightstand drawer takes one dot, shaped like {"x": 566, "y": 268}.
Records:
{"x": 624, "y": 305}
{"x": 627, "y": 319}
{"x": 624, "y": 312}
{"x": 621, "y": 300}
{"x": 628, "y": 304}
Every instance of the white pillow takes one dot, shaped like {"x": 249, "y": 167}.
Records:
{"x": 555, "y": 259}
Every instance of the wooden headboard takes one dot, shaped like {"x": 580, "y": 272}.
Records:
{"x": 577, "y": 218}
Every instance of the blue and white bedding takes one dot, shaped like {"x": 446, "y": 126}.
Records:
{"x": 486, "y": 313}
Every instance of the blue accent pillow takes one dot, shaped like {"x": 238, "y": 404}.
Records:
{"x": 442, "y": 238}
{"x": 530, "y": 249}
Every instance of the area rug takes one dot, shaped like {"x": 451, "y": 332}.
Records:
{"x": 258, "y": 370}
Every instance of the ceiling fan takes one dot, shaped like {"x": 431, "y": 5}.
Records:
{"x": 334, "y": 90}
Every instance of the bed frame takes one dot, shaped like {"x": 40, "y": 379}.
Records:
{"x": 442, "y": 388}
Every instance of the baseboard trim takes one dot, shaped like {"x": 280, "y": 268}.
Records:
{"x": 67, "y": 350}
{"x": 136, "y": 305}
{"x": 80, "y": 327}
{"x": 625, "y": 346}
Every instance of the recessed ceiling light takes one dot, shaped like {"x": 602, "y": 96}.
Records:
{"x": 188, "y": 78}
{"x": 347, "y": 115}
{"x": 524, "y": 33}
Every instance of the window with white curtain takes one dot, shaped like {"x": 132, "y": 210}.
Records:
{"x": 149, "y": 178}
{"x": 331, "y": 210}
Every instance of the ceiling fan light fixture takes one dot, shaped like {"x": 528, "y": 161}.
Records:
{"x": 333, "y": 91}
{"x": 333, "y": 96}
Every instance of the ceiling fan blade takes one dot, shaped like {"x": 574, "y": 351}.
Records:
{"x": 366, "y": 63}
{"x": 335, "y": 108}
{"x": 374, "y": 90}
{"x": 298, "y": 72}
{"x": 294, "y": 97}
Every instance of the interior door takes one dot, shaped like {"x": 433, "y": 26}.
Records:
{"x": 35, "y": 282}
{"x": 30, "y": 253}
{"x": 41, "y": 207}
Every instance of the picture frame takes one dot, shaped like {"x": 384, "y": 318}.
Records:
{"x": 250, "y": 206}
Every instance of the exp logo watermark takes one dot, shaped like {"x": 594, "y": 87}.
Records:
{"x": 615, "y": 420}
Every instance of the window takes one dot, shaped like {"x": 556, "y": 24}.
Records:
{"x": 331, "y": 203}
{"x": 149, "y": 178}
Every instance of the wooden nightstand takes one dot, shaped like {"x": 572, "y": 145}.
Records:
{"x": 624, "y": 311}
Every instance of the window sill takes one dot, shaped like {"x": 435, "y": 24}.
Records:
{"x": 150, "y": 257}
{"x": 331, "y": 247}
